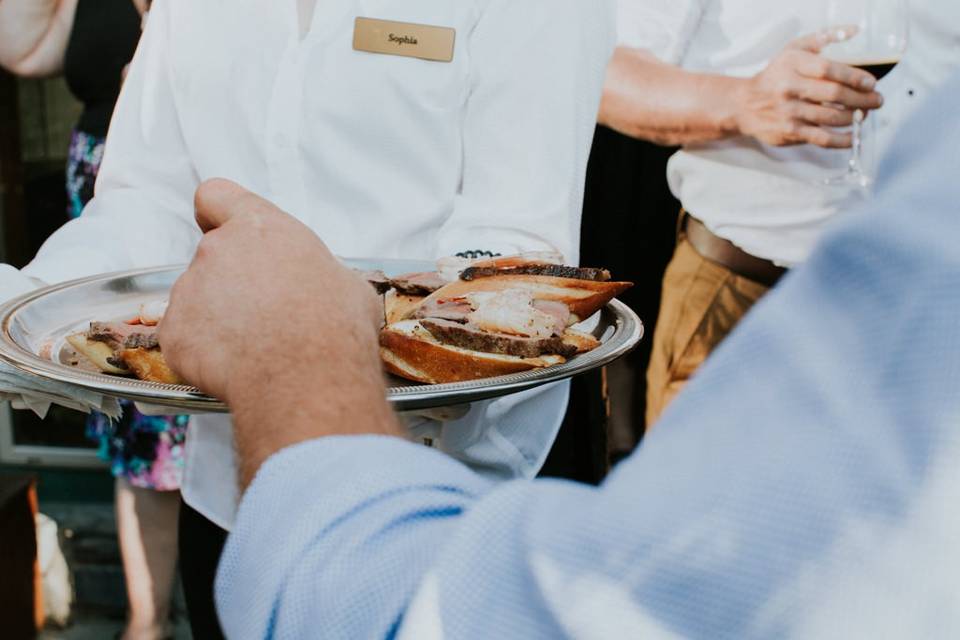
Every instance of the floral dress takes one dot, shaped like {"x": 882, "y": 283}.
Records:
{"x": 147, "y": 451}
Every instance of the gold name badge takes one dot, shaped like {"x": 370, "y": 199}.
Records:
{"x": 404, "y": 39}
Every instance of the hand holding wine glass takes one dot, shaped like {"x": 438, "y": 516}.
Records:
{"x": 802, "y": 97}
{"x": 870, "y": 35}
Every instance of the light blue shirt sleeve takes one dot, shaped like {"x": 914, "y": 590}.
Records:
{"x": 805, "y": 485}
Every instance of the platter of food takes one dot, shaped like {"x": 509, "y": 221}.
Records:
{"x": 454, "y": 332}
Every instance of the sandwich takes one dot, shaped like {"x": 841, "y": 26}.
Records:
{"x": 467, "y": 320}
{"x": 128, "y": 347}
{"x": 497, "y": 317}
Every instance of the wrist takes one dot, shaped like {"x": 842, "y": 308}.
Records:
{"x": 276, "y": 407}
{"x": 733, "y": 116}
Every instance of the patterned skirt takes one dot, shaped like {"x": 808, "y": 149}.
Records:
{"x": 147, "y": 451}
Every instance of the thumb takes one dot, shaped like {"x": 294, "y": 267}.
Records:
{"x": 217, "y": 201}
{"x": 814, "y": 42}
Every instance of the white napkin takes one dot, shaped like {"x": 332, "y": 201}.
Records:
{"x": 26, "y": 391}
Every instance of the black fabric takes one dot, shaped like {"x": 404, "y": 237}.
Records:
{"x": 629, "y": 227}
{"x": 104, "y": 36}
{"x": 200, "y": 544}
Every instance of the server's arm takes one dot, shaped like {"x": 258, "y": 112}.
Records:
{"x": 142, "y": 211}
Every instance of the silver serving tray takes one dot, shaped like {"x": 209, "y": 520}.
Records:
{"x": 35, "y": 326}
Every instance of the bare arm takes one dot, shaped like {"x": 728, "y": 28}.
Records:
{"x": 34, "y": 35}
{"x": 797, "y": 99}
{"x": 646, "y": 98}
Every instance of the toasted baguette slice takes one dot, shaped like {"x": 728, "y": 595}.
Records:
{"x": 397, "y": 306}
{"x": 582, "y": 341}
{"x": 583, "y": 297}
{"x": 95, "y": 352}
{"x": 410, "y": 351}
{"x": 149, "y": 365}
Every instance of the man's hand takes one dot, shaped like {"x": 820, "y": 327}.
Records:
{"x": 801, "y": 95}
{"x": 266, "y": 319}
{"x": 797, "y": 99}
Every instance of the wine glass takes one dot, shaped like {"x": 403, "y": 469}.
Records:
{"x": 872, "y": 35}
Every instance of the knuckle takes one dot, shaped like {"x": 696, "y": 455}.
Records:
{"x": 786, "y": 90}
{"x": 792, "y": 56}
{"x": 835, "y": 93}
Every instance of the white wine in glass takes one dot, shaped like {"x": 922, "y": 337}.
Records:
{"x": 877, "y": 40}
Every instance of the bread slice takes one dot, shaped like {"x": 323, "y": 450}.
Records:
{"x": 582, "y": 341}
{"x": 149, "y": 365}
{"x": 96, "y": 352}
{"x": 397, "y": 306}
{"x": 582, "y": 297}
{"x": 410, "y": 351}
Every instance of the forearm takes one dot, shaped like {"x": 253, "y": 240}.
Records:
{"x": 648, "y": 99}
{"x": 34, "y": 35}
{"x": 352, "y": 403}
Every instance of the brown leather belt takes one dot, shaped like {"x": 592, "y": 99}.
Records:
{"x": 726, "y": 254}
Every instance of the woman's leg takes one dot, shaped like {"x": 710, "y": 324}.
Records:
{"x": 147, "y": 529}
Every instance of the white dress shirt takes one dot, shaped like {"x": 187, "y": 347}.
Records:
{"x": 933, "y": 53}
{"x": 381, "y": 155}
{"x": 767, "y": 200}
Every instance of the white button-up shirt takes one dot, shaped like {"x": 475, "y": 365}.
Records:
{"x": 381, "y": 155}
{"x": 933, "y": 53}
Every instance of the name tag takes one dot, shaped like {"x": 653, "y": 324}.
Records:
{"x": 404, "y": 39}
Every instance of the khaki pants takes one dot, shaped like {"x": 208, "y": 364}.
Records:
{"x": 702, "y": 303}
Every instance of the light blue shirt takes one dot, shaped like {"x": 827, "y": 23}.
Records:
{"x": 805, "y": 485}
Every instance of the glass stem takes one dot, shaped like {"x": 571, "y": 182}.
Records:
{"x": 856, "y": 165}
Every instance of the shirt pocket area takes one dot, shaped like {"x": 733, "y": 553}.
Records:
{"x": 430, "y": 84}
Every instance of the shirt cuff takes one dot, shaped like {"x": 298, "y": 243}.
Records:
{"x": 317, "y": 489}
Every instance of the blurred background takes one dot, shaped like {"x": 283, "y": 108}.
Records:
{"x": 52, "y": 457}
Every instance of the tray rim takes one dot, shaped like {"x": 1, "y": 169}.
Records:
{"x": 628, "y": 330}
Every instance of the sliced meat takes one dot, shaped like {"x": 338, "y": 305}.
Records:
{"x": 557, "y": 310}
{"x": 141, "y": 341}
{"x": 553, "y": 270}
{"x": 115, "y": 334}
{"x": 455, "y": 310}
{"x": 418, "y": 284}
{"x": 467, "y": 337}
{"x": 377, "y": 278}
{"x": 410, "y": 284}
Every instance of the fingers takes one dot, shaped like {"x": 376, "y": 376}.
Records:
{"x": 168, "y": 331}
{"x": 812, "y": 42}
{"x": 812, "y": 124}
{"x": 819, "y": 68}
{"x": 217, "y": 201}
{"x": 823, "y": 115}
{"x": 823, "y": 91}
{"x": 815, "y": 42}
{"x": 811, "y": 134}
